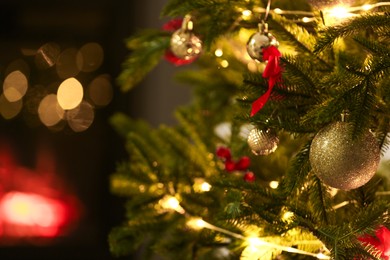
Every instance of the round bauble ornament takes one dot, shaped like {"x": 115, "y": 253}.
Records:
{"x": 257, "y": 42}
{"x": 342, "y": 162}
{"x": 262, "y": 142}
{"x": 185, "y": 44}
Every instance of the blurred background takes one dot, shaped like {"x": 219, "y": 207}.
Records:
{"x": 56, "y": 156}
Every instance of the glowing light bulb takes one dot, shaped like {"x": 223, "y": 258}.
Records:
{"x": 254, "y": 241}
{"x": 205, "y": 186}
{"x": 339, "y": 12}
{"x": 218, "y": 52}
{"x": 274, "y": 184}
{"x": 224, "y": 64}
{"x": 196, "y": 223}
{"x": 246, "y": 13}
{"x": 366, "y": 7}
{"x": 170, "y": 202}
{"x": 322, "y": 256}
{"x": 278, "y": 10}
{"x": 306, "y": 19}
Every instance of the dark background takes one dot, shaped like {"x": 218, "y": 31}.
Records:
{"x": 85, "y": 159}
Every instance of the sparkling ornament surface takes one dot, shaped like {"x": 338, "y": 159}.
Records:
{"x": 262, "y": 142}
{"x": 342, "y": 162}
{"x": 185, "y": 45}
{"x": 257, "y": 42}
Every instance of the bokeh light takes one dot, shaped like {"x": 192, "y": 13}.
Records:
{"x": 90, "y": 57}
{"x": 47, "y": 55}
{"x": 15, "y": 86}
{"x": 49, "y": 111}
{"x": 10, "y": 109}
{"x": 70, "y": 93}
{"x": 100, "y": 90}
{"x": 66, "y": 64}
{"x": 81, "y": 118}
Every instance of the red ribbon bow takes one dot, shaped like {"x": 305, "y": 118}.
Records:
{"x": 381, "y": 241}
{"x": 272, "y": 72}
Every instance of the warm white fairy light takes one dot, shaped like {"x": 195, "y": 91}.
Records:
{"x": 367, "y": 7}
{"x": 170, "y": 202}
{"x": 339, "y": 12}
{"x": 205, "y": 186}
{"x": 274, "y": 184}
{"x": 278, "y": 11}
{"x": 253, "y": 242}
{"x": 218, "y": 52}
{"x": 246, "y": 13}
{"x": 224, "y": 64}
{"x": 307, "y": 19}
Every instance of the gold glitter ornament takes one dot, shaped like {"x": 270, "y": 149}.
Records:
{"x": 342, "y": 162}
{"x": 184, "y": 43}
{"x": 262, "y": 142}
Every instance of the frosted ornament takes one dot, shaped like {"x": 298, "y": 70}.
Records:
{"x": 184, "y": 43}
{"x": 341, "y": 162}
{"x": 262, "y": 142}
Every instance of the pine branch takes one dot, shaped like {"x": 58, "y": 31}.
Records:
{"x": 297, "y": 173}
{"x": 147, "y": 49}
{"x": 372, "y": 22}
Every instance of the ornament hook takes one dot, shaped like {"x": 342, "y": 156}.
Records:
{"x": 187, "y": 24}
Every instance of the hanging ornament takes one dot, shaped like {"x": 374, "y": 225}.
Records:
{"x": 259, "y": 41}
{"x": 184, "y": 43}
{"x": 341, "y": 162}
{"x": 262, "y": 46}
{"x": 262, "y": 142}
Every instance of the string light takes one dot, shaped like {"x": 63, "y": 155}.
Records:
{"x": 218, "y": 52}
{"x": 170, "y": 202}
{"x": 196, "y": 223}
{"x": 253, "y": 242}
{"x": 339, "y": 12}
{"x": 274, "y": 184}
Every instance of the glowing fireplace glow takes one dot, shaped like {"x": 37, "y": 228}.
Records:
{"x": 30, "y": 214}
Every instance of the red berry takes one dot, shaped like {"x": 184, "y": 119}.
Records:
{"x": 243, "y": 163}
{"x": 230, "y": 166}
{"x": 249, "y": 177}
{"x": 224, "y": 152}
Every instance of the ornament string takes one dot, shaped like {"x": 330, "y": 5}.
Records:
{"x": 267, "y": 10}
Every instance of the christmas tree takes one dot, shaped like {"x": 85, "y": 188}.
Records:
{"x": 278, "y": 154}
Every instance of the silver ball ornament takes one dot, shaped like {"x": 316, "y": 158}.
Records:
{"x": 342, "y": 162}
{"x": 262, "y": 142}
{"x": 185, "y": 44}
{"x": 257, "y": 42}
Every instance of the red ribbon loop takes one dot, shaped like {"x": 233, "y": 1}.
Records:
{"x": 272, "y": 72}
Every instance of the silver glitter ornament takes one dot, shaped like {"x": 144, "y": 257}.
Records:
{"x": 184, "y": 43}
{"x": 342, "y": 162}
{"x": 260, "y": 40}
{"x": 262, "y": 142}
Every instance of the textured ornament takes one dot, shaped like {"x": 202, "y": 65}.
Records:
{"x": 257, "y": 42}
{"x": 262, "y": 142}
{"x": 341, "y": 162}
{"x": 184, "y": 43}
